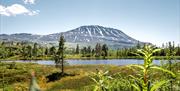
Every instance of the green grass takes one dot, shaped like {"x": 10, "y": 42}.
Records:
{"x": 19, "y": 76}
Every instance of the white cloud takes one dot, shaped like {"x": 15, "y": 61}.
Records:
{"x": 29, "y": 1}
{"x": 16, "y": 9}
{"x": 34, "y": 13}
{"x": 3, "y": 11}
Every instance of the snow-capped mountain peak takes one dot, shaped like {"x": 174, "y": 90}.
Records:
{"x": 85, "y": 35}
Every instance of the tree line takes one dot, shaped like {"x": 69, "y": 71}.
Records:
{"x": 167, "y": 48}
{"x": 99, "y": 50}
{"x": 25, "y": 50}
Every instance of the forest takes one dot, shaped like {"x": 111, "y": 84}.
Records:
{"x": 34, "y": 51}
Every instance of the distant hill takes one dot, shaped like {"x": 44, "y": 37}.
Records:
{"x": 84, "y": 35}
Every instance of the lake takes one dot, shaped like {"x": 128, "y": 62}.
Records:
{"x": 85, "y": 62}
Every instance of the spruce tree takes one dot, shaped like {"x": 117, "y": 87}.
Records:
{"x": 35, "y": 50}
{"x": 46, "y": 51}
{"x": 84, "y": 51}
{"x": 29, "y": 51}
{"x": 98, "y": 50}
{"x": 59, "y": 58}
{"x": 77, "y": 49}
{"x": 52, "y": 50}
{"x": 89, "y": 51}
{"x": 105, "y": 50}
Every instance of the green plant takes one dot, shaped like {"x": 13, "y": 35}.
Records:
{"x": 120, "y": 83}
{"x": 102, "y": 80}
{"x": 144, "y": 83}
{"x": 12, "y": 65}
{"x": 170, "y": 53}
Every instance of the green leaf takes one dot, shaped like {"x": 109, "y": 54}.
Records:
{"x": 94, "y": 80}
{"x": 133, "y": 77}
{"x": 156, "y": 50}
{"x": 138, "y": 66}
{"x": 142, "y": 52}
{"x": 96, "y": 88}
{"x": 105, "y": 73}
{"x": 136, "y": 54}
{"x": 136, "y": 87}
{"x": 158, "y": 85}
{"x": 164, "y": 70}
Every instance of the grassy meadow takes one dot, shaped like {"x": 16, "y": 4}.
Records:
{"x": 17, "y": 78}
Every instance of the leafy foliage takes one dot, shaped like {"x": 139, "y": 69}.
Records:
{"x": 102, "y": 80}
{"x": 141, "y": 81}
{"x": 144, "y": 83}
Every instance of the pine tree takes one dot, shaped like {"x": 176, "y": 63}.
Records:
{"x": 93, "y": 52}
{"x": 77, "y": 49}
{"x": 59, "y": 58}
{"x": 46, "y": 51}
{"x": 105, "y": 50}
{"x": 98, "y": 50}
{"x": 35, "y": 50}
{"x": 178, "y": 50}
{"x": 29, "y": 51}
{"x": 52, "y": 50}
{"x": 170, "y": 47}
{"x": 88, "y": 51}
{"x": 84, "y": 51}
{"x": 163, "y": 50}
{"x": 23, "y": 51}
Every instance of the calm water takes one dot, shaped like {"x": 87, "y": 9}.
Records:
{"x": 83, "y": 62}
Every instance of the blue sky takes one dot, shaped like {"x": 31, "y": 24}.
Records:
{"x": 155, "y": 21}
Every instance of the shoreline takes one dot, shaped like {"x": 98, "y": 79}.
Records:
{"x": 87, "y": 58}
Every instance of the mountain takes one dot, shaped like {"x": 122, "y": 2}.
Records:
{"x": 84, "y": 35}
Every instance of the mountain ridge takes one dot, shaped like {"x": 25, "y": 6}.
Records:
{"x": 85, "y": 35}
